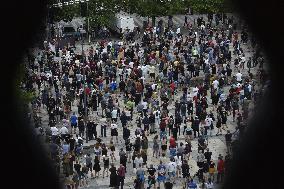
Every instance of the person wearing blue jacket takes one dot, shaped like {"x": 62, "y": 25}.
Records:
{"x": 191, "y": 184}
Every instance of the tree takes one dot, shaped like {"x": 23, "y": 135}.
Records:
{"x": 153, "y": 8}
{"x": 65, "y": 13}
{"x": 209, "y": 6}
{"x": 22, "y": 95}
{"x": 102, "y": 12}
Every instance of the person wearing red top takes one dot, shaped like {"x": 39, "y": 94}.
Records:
{"x": 220, "y": 169}
{"x": 172, "y": 86}
{"x": 121, "y": 175}
{"x": 88, "y": 91}
{"x": 172, "y": 142}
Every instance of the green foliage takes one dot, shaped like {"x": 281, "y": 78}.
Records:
{"x": 22, "y": 95}
{"x": 210, "y": 6}
{"x": 153, "y": 8}
{"x": 66, "y": 13}
{"x": 102, "y": 12}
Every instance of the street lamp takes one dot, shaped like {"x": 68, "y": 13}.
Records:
{"x": 84, "y": 88}
{"x": 88, "y": 22}
{"x": 85, "y": 102}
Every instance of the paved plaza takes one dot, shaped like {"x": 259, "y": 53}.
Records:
{"x": 216, "y": 144}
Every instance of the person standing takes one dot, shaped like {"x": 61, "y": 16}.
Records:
{"x": 220, "y": 169}
{"x": 64, "y": 132}
{"x": 195, "y": 126}
{"x": 228, "y": 138}
{"x": 81, "y": 127}
{"x": 172, "y": 168}
{"x": 103, "y": 130}
{"x": 152, "y": 177}
{"x": 97, "y": 167}
{"x": 121, "y": 175}
{"x": 185, "y": 171}
{"x": 54, "y": 133}
{"x": 89, "y": 164}
{"x": 73, "y": 122}
{"x": 123, "y": 158}
{"x": 114, "y": 132}
{"x": 161, "y": 173}
{"x": 113, "y": 176}
{"x": 200, "y": 159}
{"x": 208, "y": 155}
{"x": 128, "y": 147}
{"x": 156, "y": 147}
{"x": 212, "y": 170}
{"x": 219, "y": 125}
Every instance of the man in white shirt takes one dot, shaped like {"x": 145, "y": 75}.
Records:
{"x": 114, "y": 115}
{"x": 131, "y": 64}
{"x": 54, "y": 133}
{"x": 145, "y": 107}
{"x": 138, "y": 161}
{"x": 208, "y": 122}
{"x": 215, "y": 84}
{"x": 249, "y": 88}
{"x": 144, "y": 70}
{"x": 154, "y": 86}
{"x": 63, "y": 131}
{"x": 195, "y": 91}
{"x": 223, "y": 97}
{"x": 157, "y": 114}
{"x": 178, "y": 162}
{"x": 239, "y": 77}
{"x": 110, "y": 44}
{"x": 128, "y": 72}
{"x": 178, "y": 30}
{"x": 172, "y": 168}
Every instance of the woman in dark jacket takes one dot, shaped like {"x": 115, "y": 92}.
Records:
{"x": 113, "y": 176}
{"x": 97, "y": 167}
{"x": 94, "y": 102}
{"x": 219, "y": 124}
{"x": 185, "y": 171}
{"x": 152, "y": 123}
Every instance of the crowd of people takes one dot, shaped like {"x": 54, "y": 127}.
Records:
{"x": 155, "y": 94}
